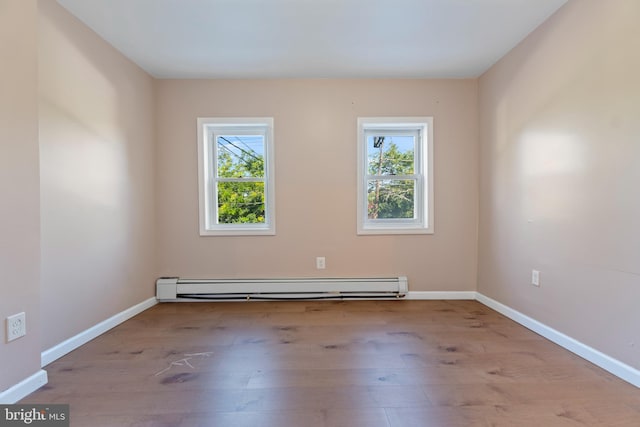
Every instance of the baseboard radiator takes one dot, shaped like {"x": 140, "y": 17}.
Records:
{"x": 177, "y": 289}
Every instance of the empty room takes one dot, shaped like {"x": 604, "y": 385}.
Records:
{"x": 320, "y": 213}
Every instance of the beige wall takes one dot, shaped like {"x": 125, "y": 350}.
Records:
{"x": 97, "y": 177}
{"x": 315, "y": 148}
{"x": 19, "y": 211}
{"x": 560, "y": 169}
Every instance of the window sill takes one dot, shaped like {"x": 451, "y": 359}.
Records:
{"x": 238, "y": 232}
{"x": 389, "y": 230}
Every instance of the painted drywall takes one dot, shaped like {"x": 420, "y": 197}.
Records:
{"x": 19, "y": 188}
{"x": 315, "y": 166}
{"x": 560, "y": 167}
{"x": 97, "y": 177}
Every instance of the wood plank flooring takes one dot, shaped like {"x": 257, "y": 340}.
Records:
{"x": 332, "y": 363}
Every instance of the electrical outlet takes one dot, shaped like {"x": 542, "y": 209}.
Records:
{"x": 320, "y": 263}
{"x": 535, "y": 277}
{"x": 16, "y": 326}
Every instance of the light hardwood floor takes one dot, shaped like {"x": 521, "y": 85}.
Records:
{"x": 332, "y": 363}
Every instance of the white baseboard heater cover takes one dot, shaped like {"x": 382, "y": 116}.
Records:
{"x": 176, "y": 289}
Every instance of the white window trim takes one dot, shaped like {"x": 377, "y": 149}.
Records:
{"x": 206, "y": 191}
{"x": 424, "y": 224}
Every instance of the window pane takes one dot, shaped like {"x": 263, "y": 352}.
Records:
{"x": 391, "y": 198}
{"x": 240, "y": 156}
{"x": 241, "y": 203}
{"x": 390, "y": 155}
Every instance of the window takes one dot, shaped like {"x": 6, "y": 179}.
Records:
{"x": 235, "y": 166}
{"x": 395, "y": 175}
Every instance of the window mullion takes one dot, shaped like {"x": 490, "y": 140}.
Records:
{"x": 392, "y": 177}
{"x": 243, "y": 179}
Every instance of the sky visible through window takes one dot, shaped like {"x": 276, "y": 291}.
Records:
{"x": 240, "y": 156}
{"x": 395, "y": 155}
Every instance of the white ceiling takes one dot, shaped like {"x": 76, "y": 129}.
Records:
{"x": 313, "y": 38}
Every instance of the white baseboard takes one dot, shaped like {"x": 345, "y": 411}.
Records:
{"x": 76, "y": 341}
{"x": 431, "y": 295}
{"x": 608, "y": 363}
{"x": 24, "y": 388}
